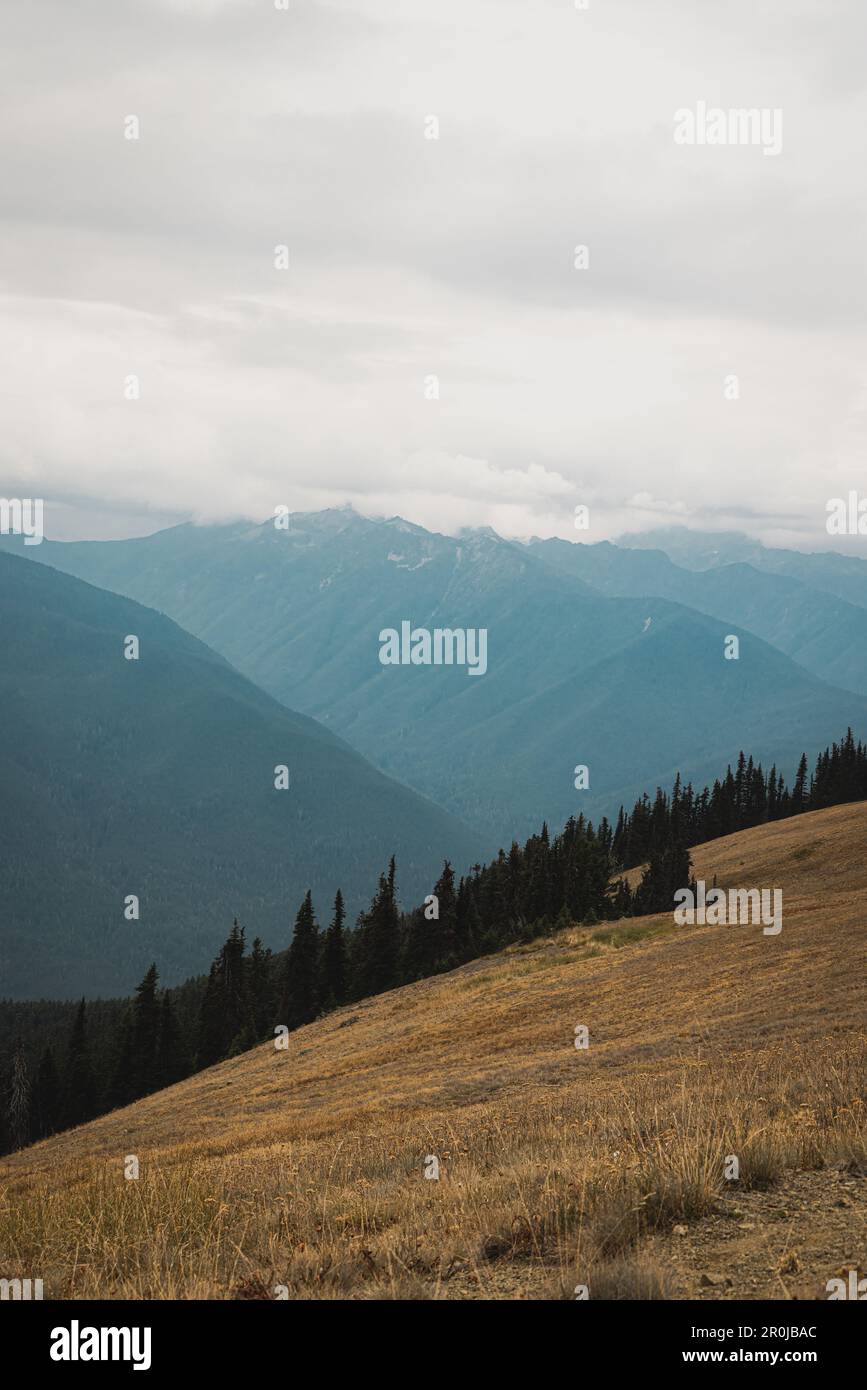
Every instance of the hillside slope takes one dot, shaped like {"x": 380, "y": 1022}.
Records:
{"x": 821, "y": 632}
{"x": 155, "y": 778}
{"x": 635, "y": 688}
{"x": 554, "y": 1161}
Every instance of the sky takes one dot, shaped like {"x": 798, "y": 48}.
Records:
{"x": 432, "y": 350}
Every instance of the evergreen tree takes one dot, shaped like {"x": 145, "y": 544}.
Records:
{"x": 300, "y": 982}
{"x": 470, "y": 929}
{"x": 799, "y": 791}
{"x": 448, "y": 951}
{"x": 436, "y": 937}
{"x": 225, "y": 1015}
{"x": 237, "y": 1023}
{"x": 668, "y": 870}
{"x": 79, "y": 1091}
{"x": 377, "y": 955}
{"x": 211, "y": 1039}
{"x": 333, "y": 974}
{"x": 621, "y": 900}
{"x": 172, "y": 1063}
{"x": 260, "y": 990}
{"x": 419, "y": 944}
{"x": 45, "y": 1107}
{"x": 145, "y": 1035}
{"x": 121, "y": 1083}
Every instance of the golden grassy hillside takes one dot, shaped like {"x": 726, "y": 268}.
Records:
{"x": 305, "y": 1168}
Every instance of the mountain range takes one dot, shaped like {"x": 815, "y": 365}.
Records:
{"x": 824, "y": 570}
{"x": 598, "y": 655}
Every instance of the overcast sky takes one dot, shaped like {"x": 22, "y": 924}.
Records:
{"x": 411, "y": 257}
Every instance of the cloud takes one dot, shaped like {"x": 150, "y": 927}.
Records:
{"x": 411, "y": 257}
{"x": 643, "y": 502}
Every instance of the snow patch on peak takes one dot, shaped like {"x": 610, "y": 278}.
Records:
{"x": 399, "y": 561}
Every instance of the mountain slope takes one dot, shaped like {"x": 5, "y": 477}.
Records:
{"x": 634, "y": 688}
{"x": 823, "y": 633}
{"x": 155, "y": 778}
{"x": 305, "y": 1167}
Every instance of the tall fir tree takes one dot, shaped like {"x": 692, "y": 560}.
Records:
{"x": 79, "y": 1090}
{"x": 448, "y": 952}
{"x": 799, "y": 791}
{"x": 300, "y": 980}
{"x": 377, "y": 963}
{"x": 211, "y": 1042}
{"x": 172, "y": 1063}
{"x": 334, "y": 966}
{"x": 237, "y": 1021}
{"x": 120, "y": 1089}
{"x": 145, "y": 1035}
{"x": 260, "y": 990}
{"x": 45, "y": 1105}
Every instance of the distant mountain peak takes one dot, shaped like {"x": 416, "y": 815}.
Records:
{"x": 399, "y": 523}
{"x": 469, "y": 533}
{"x": 327, "y": 518}
{"x": 694, "y": 548}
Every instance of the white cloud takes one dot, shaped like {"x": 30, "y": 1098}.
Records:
{"x": 411, "y": 257}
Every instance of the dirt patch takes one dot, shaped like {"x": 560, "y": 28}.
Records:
{"x": 784, "y": 1243}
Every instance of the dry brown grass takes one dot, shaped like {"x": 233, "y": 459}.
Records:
{"x": 558, "y": 1167}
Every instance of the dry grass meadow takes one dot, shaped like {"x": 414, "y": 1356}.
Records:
{"x": 305, "y": 1168}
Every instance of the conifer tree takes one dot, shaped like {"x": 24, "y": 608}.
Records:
{"x": 333, "y": 975}
{"x": 668, "y": 870}
{"x": 419, "y": 944}
{"x": 447, "y": 952}
{"x": 121, "y": 1082}
{"x": 621, "y": 899}
{"x": 799, "y": 791}
{"x": 300, "y": 982}
{"x": 145, "y": 1035}
{"x": 45, "y": 1107}
{"x": 260, "y": 990}
{"x": 237, "y": 1021}
{"x": 470, "y": 930}
{"x": 225, "y": 1019}
{"x": 171, "y": 1060}
{"x": 376, "y": 958}
{"x": 211, "y": 1037}
{"x": 79, "y": 1096}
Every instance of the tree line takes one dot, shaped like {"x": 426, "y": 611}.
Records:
{"x": 743, "y": 798}
{"x": 161, "y": 1036}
